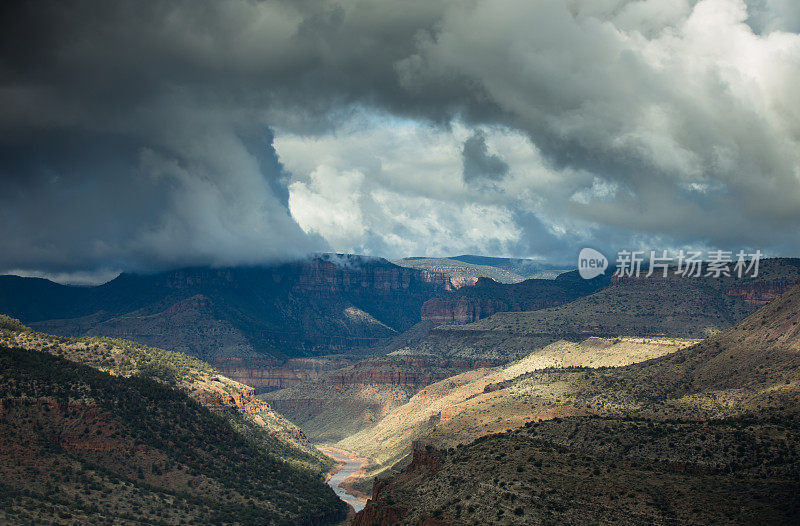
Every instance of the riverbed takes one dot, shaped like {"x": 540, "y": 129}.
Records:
{"x": 351, "y": 465}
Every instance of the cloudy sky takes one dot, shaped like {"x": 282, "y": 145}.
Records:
{"x": 150, "y": 135}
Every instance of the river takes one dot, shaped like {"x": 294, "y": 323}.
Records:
{"x": 351, "y": 465}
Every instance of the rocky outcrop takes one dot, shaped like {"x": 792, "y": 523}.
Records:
{"x": 243, "y": 400}
{"x": 460, "y": 310}
{"x": 426, "y": 461}
{"x": 487, "y": 297}
{"x": 424, "y": 457}
{"x": 377, "y": 514}
{"x": 760, "y": 293}
{"x": 269, "y": 375}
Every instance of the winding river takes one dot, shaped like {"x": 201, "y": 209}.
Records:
{"x": 351, "y": 465}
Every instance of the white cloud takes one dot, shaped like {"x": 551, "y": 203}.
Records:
{"x": 328, "y": 205}
{"x": 407, "y": 194}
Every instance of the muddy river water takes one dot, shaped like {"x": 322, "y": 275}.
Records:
{"x": 351, "y": 465}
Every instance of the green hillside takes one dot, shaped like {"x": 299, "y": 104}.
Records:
{"x": 81, "y": 445}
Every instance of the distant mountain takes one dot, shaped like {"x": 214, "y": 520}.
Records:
{"x": 527, "y": 268}
{"x": 163, "y": 439}
{"x": 486, "y": 297}
{"x": 242, "y": 320}
{"x": 673, "y": 307}
{"x": 354, "y": 398}
{"x": 466, "y": 270}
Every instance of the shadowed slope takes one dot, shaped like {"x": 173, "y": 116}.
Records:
{"x": 82, "y": 445}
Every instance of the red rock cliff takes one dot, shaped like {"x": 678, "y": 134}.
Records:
{"x": 761, "y": 293}
{"x": 460, "y": 310}
{"x": 378, "y": 512}
{"x": 323, "y": 278}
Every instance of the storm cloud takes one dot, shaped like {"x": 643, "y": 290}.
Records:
{"x": 478, "y": 162}
{"x": 136, "y": 136}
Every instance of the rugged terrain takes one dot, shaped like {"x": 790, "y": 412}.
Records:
{"x": 466, "y": 269}
{"x": 250, "y": 323}
{"x": 342, "y": 402}
{"x": 466, "y": 406}
{"x": 487, "y": 297}
{"x": 673, "y": 307}
{"x": 519, "y": 478}
{"x": 84, "y": 446}
{"x": 709, "y": 433}
{"x": 231, "y": 400}
{"x": 637, "y": 312}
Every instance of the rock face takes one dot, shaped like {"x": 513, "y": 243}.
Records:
{"x": 267, "y": 375}
{"x": 426, "y": 462}
{"x": 487, "y": 297}
{"x": 460, "y": 310}
{"x": 761, "y": 293}
{"x": 320, "y": 278}
{"x": 249, "y": 322}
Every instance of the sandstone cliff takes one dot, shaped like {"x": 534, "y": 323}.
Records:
{"x": 488, "y": 297}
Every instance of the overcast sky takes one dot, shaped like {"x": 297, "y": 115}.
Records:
{"x": 151, "y": 135}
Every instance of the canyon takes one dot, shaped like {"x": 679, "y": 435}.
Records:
{"x": 704, "y": 433}
{"x": 270, "y": 327}
{"x": 402, "y": 367}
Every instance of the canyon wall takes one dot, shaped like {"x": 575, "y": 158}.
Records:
{"x": 266, "y": 375}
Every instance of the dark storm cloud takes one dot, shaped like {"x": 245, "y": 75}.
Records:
{"x": 478, "y": 162}
{"x": 139, "y": 134}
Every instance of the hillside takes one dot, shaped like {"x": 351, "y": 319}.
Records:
{"x": 754, "y": 363}
{"x": 246, "y": 322}
{"x": 83, "y": 446}
{"x": 675, "y": 438}
{"x": 671, "y": 307}
{"x": 231, "y": 400}
{"x": 461, "y": 408}
{"x": 519, "y": 478}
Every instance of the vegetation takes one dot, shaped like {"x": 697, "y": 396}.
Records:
{"x": 81, "y": 443}
{"x": 260, "y": 425}
{"x": 527, "y": 478}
